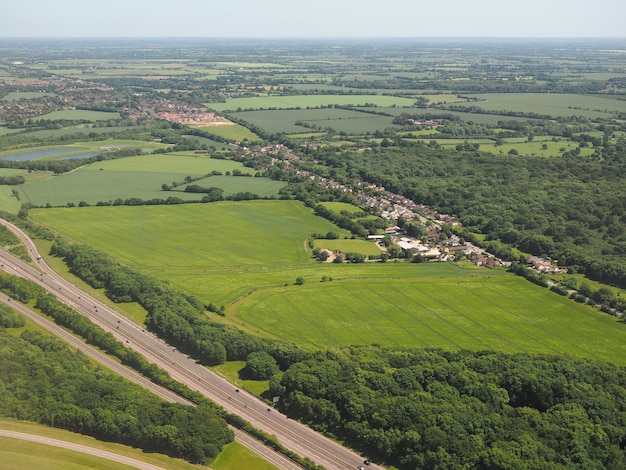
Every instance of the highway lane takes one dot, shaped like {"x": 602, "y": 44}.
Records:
{"x": 293, "y": 435}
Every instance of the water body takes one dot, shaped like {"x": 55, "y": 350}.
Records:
{"x": 26, "y": 156}
{"x": 23, "y": 157}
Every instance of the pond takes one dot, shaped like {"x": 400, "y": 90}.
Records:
{"x": 26, "y": 156}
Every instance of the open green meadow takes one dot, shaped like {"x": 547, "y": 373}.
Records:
{"x": 6, "y": 130}
{"x": 308, "y": 101}
{"x": 338, "y": 207}
{"x": 8, "y": 201}
{"x": 139, "y": 177}
{"x": 247, "y": 256}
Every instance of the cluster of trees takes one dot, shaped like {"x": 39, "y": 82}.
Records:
{"x": 462, "y": 410}
{"x": 43, "y": 381}
{"x": 9, "y": 318}
{"x": 12, "y": 180}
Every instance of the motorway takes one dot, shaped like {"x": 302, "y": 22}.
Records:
{"x": 291, "y": 434}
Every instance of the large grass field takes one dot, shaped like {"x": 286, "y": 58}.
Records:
{"x": 341, "y": 120}
{"x": 308, "y": 101}
{"x": 230, "y": 131}
{"x": 139, "y": 177}
{"x": 550, "y": 104}
{"x": 248, "y": 255}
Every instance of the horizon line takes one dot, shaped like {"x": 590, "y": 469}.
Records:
{"x": 317, "y": 37}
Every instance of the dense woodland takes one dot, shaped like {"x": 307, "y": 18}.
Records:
{"x": 44, "y": 381}
{"x": 433, "y": 409}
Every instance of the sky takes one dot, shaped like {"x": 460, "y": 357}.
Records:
{"x": 313, "y": 19}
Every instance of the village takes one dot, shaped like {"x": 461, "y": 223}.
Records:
{"x": 393, "y": 207}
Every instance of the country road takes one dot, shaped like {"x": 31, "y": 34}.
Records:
{"x": 80, "y": 448}
{"x": 291, "y": 434}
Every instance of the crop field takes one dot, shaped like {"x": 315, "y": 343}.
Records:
{"x": 308, "y": 101}
{"x": 138, "y": 177}
{"x": 447, "y": 309}
{"x": 263, "y": 187}
{"x": 247, "y": 255}
{"x": 338, "y": 119}
{"x": 266, "y": 233}
{"x": 8, "y": 201}
{"x": 550, "y": 104}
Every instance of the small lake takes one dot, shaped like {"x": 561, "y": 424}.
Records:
{"x": 26, "y": 156}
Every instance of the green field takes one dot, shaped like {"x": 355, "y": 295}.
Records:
{"x": 247, "y": 256}
{"x": 308, "y": 101}
{"x": 235, "y": 456}
{"x": 550, "y": 104}
{"x": 139, "y": 177}
{"x": 337, "y": 207}
{"x": 521, "y": 145}
{"x": 234, "y": 132}
{"x": 351, "y": 122}
{"x": 6, "y": 130}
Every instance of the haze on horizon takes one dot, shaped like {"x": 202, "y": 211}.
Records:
{"x": 321, "y": 19}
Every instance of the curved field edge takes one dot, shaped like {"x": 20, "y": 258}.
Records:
{"x": 45, "y": 456}
{"x": 247, "y": 256}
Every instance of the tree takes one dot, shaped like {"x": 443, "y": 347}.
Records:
{"x": 260, "y": 366}
{"x": 299, "y": 281}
